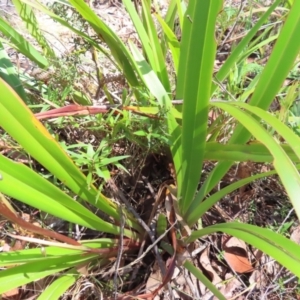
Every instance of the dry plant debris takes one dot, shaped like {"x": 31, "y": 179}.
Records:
{"x": 239, "y": 272}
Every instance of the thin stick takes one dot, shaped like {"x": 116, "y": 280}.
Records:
{"x": 121, "y": 196}
{"x": 149, "y": 248}
{"x": 120, "y": 251}
{"x": 235, "y": 24}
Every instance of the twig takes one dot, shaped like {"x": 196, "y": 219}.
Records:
{"x": 120, "y": 195}
{"x": 133, "y": 275}
{"x": 285, "y": 219}
{"x": 99, "y": 74}
{"x": 149, "y": 248}
{"x": 120, "y": 251}
{"x": 235, "y": 23}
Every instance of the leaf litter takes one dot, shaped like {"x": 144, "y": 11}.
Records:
{"x": 238, "y": 274}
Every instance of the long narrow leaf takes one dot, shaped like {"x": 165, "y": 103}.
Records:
{"x": 117, "y": 47}
{"x": 36, "y": 191}
{"x": 57, "y": 288}
{"x": 289, "y": 136}
{"x": 9, "y": 74}
{"x": 22, "y": 45}
{"x": 21, "y": 124}
{"x": 158, "y": 91}
{"x": 197, "y": 55}
{"x": 198, "y": 274}
{"x": 284, "y": 166}
{"x": 281, "y": 60}
{"x": 18, "y": 276}
{"x": 155, "y": 44}
{"x": 256, "y": 152}
{"x": 28, "y": 16}
{"x": 238, "y": 51}
{"x": 280, "y": 248}
{"x": 172, "y": 42}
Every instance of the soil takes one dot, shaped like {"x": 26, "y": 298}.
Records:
{"x": 263, "y": 203}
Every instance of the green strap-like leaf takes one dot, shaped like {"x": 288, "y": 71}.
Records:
{"x": 22, "y": 45}
{"x": 280, "y": 248}
{"x": 27, "y": 15}
{"x": 36, "y": 191}
{"x": 197, "y": 55}
{"x": 149, "y": 41}
{"x": 284, "y": 166}
{"x": 198, "y": 274}
{"x": 23, "y": 274}
{"x": 8, "y": 74}
{"x": 115, "y": 44}
{"x": 20, "y": 123}
{"x": 279, "y": 64}
{"x": 256, "y": 152}
{"x": 58, "y": 287}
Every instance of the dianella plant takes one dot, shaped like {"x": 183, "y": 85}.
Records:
{"x": 192, "y": 137}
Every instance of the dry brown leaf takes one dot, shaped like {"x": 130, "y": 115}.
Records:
{"x": 19, "y": 245}
{"x": 244, "y": 171}
{"x": 12, "y": 294}
{"x": 206, "y": 264}
{"x": 83, "y": 269}
{"x": 229, "y": 289}
{"x": 154, "y": 279}
{"x": 295, "y": 236}
{"x": 258, "y": 279}
{"x": 235, "y": 254}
